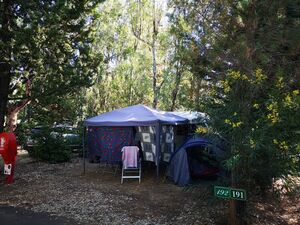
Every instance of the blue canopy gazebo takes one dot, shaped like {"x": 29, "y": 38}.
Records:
{"x": 133, "y": 116}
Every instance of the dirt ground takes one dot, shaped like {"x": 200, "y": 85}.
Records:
{"x": 97, "y": 197}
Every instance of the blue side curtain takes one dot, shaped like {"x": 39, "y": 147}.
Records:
{"x": 107, "y": 142}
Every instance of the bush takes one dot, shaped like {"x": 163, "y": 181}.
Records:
{"x": 50, "y": 148}
{"x": 259, "y": 118}
{"x": 21, "y": 134}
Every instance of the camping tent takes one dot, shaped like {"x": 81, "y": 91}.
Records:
{"x": 137, "y": 115}
{"x": 192, "y": 159}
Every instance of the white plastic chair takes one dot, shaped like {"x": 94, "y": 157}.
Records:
{"x": 131, "y": 163}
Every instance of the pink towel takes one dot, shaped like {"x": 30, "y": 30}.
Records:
{"x": 130, "y": 156}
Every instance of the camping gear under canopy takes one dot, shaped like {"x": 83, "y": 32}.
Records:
{"x": 137, "y": 115}
{"x": 191, "y": 159}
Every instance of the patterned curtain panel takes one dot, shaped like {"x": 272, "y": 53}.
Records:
{"x": 167, "y": 142}
{"x": 107, "y": 142}
{"x": 146, "y": 136}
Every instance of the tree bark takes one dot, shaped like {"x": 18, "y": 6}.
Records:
{"x": 176, "y": 88}
{"x": 154, "y": 68}
{"x": 154, "y": 77}
{"x": 4, "y": 89}
{"x": 13, "y": 110}
{"x": 152, "y": 44}
{"x": 5, "y": 67}
{"x": 12, "y": 114}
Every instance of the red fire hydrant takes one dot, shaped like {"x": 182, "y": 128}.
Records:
{"x": 8, "y": 151}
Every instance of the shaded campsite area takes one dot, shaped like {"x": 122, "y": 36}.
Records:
{"x": 158, "y": 136}
{"x": 161, "y": 112}
{"x": 97, "y": 197}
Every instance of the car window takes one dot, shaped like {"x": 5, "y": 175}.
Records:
{"x": 36, "y": 130}
{"x": 65, "y": 130}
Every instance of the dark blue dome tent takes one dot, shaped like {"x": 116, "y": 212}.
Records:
{"x": 127, "y": 118}
{"x": 195, "y": 158}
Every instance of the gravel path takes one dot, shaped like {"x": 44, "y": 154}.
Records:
{"x": 98, "y": 197}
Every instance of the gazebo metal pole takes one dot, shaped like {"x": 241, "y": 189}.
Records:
{"x": 157, "y": 140}
{"x": 83, "y": 148}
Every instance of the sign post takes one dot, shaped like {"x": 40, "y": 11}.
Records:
{"x": 232, "y": 212}
{"x": 231, "y": 194}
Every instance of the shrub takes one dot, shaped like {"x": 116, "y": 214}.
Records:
{"x": 259, "y": 118}
{"x": 50, "y": 148}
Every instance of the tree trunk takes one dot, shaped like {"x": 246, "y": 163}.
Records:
{"x": 152, "y": 44}
{"x": 176, "y": 88}
{"x": 154, "y": 69}
{"x": 12, "y": 114}
{"x": 4, "y": 89}
{"x": 5, "y": 67}
{"x": 154, "y": 77}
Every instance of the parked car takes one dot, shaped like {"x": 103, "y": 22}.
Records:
{"x": 31, "y": 139}
{"x": 69, "y": 135}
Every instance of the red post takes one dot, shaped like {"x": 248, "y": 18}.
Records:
{"x": 8, "y": 151}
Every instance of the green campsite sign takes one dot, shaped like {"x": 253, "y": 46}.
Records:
{"x": 230, "y": 193}
{"x": 238, "y": 194}
{"x": 222, "y": 192}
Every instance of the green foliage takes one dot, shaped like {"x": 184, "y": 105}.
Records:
{"x": 50, "y": 148}
{"x": 194, "y": 27}
{"x": 243, "y": 55}
{"x": 259, "y": 121}
{"x": 21, "y": 134}
{"x": 49, "y": 48}
{"x": 124, "y": 76}
{"x": 59, "y": 110}
{"x": 123, "y": 36}
{"x": 237, "y": 60}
